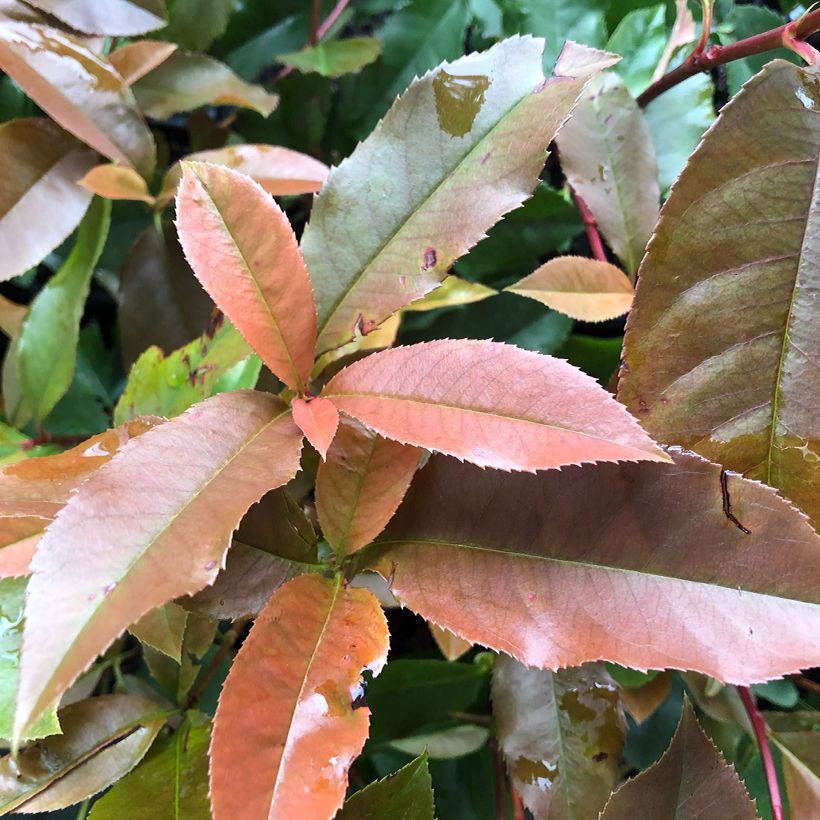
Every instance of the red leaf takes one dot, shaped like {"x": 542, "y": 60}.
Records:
{"x": 638, "y": 564}
{"x": 318, "y": 420}
{"x": 243, "y": 251}
{"x": 290, "y": 702}
{"x": 489, "y": 403}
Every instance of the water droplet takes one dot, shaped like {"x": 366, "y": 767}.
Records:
{"x": 458, "y": 100}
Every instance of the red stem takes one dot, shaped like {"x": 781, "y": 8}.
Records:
{"x": 331, "y": 19}
{"x": 759, "y": 727}
{"x": 800, "y": 29}
{"x": 517, "y": 805}
{"x": 591, "y": 227}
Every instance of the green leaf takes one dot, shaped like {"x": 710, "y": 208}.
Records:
{"x": 218, "y": 361}
{"x": 486, "y": 117}
{"x": 782, "y": 693}
{"x": 640, "y": 39}
{"x": 404, "y": 795}
{"x": 743, "y": 22}
{"x": 172, "y": 781}
{"x": 722, "y": 343}
{"x": 195, "y": 25}
{"x": 444, "y": 744}
{"x": 624, "y": 676}
{"x": 677, "y": 120}
{"x": 12, "y": 598}
{"x": 336, "y": 57}
{"x": 47, "y": 348}
{"x": 796, "y": 736}
{"x": 598, "y": 358}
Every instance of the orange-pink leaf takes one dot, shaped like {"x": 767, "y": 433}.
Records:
{"x": 361, "y": 485}
{"x": 152, "y": 525}
{"x": 490, "y": 403}
{"x": 584, "y": 289}
{"x": 137, "y": 59}
{"x": 318, "y": 420}
{"x": 646, "y": 565}
{"x": 243, "y": 251}
{"x": 291, "y": 699}
{"x": 117, "y": 182}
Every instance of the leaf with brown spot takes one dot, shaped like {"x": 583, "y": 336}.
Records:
{"x": 135, "y": 60}
{"x": 188, "y": 482}
{"x": 562, "y": 735}
{"x": 117, "y": 182}
{"x": 487, "y": 119}
{"x": 300, "y": 667}
{"x": 102, "y": 739}
{"x": 554, "y": 580}
{"x": 691, "y": 781}
{"x": 78, "y": 89}
{"x": 493, "y": 404}
{"x": 608, "y": 157}
{"x": 243, "y": 251}
{"x": 42, "y": 167}
{"x": 722, "y": 348}
{"x": 584, "y": 289}
{"x": 280, "y": 171}
{"x": 318, "y": 420}
{"x": 361, "y": 484}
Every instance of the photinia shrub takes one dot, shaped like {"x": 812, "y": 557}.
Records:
{"x": 201, "y": 564}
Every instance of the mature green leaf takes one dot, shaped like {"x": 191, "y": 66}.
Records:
{"x": 691, "y": 781}
{"x": 746, "y": 21}
{"x": 782, "y": 693}
{"x": 96, "y": 105}
{"x": 597, "y": 357}
{"x": 722, "y": 344}
{"x": 103, "y": 739}
{"x": 300, "y": 667}
{"x": 524, "y": 411}
{"x": 188, "y": 482}
{"x": 446, "y": 743}
{"x": 361, "y": 484}
{"x": 797, "y": 736}
{"x": 336, "y": 57}
{"x": 12, "y": 597}
{"x": 640, "y": 39}
{"x": 274, "y": 543}
{"x": 186, "y": 81}
{"x": 163, "y": 629}
{"x": 118, "y": 18}
{"x": 562, "y": 734}
{"x": 546, "y": 583}
{"x": 677, "y": 120}
{"x": 42, "y": 164}
{"x": 160, "y": 301}
{"x": 486, "y": 118}
{"x": 404, "y": 795}
{"x": 608, "y": 158}
{"x": 168, "y": 385}
{"x": 194, "y": 24}
{"x": 170, "y": 784}
{"x": 47, "y": 347}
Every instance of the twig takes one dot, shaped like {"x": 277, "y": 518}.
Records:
{"x": 759, "y": 728}
{"x": 228, "y": 641}
{"x": 716, "y": 55}
{"x": 517, "y": 805}
{"x": 331, "y": 19}
{"x": 315, "y": 11}
{"x": 500, "y": 781}
{"x": 591, "y": 227}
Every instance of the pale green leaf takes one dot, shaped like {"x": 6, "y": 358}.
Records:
{"x": 336, "y": 57}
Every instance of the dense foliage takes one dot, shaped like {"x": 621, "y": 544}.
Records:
{"x": 333, "y": 481}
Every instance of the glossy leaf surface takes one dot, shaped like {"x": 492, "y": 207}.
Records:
{"x": 584, "y": 289}
{"x": 300, "y": 668}
{"x": 274, "y": 543}
{"x": 186, "y": 81}
{"x": 47, "y": 346}
{"x": 562, "y": 735}
{"x": 545, "y": 582}
{"x": 609, "y": 159}
{"x": 405, "y": 795}
{"x": 486, "y": 119}
{"x": 79, "y": 90}
{"x": 318, "y": 420}
{"x": 231, "y": 449}
{"x": 280, "y": 171}
{"x": 361, "y": 485}
{"x": 135, "y": 60}
{"x": 691, "y": 780}
{"x": 493, "y": 404}
{"x": 243, "y": 251}
{"x": 120, "y": 18}
{"x": 172, "y": 781}
{"x": 42, "y": 166}
{"x": 722, "y": 345}
{"x": 103, "y": 738}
